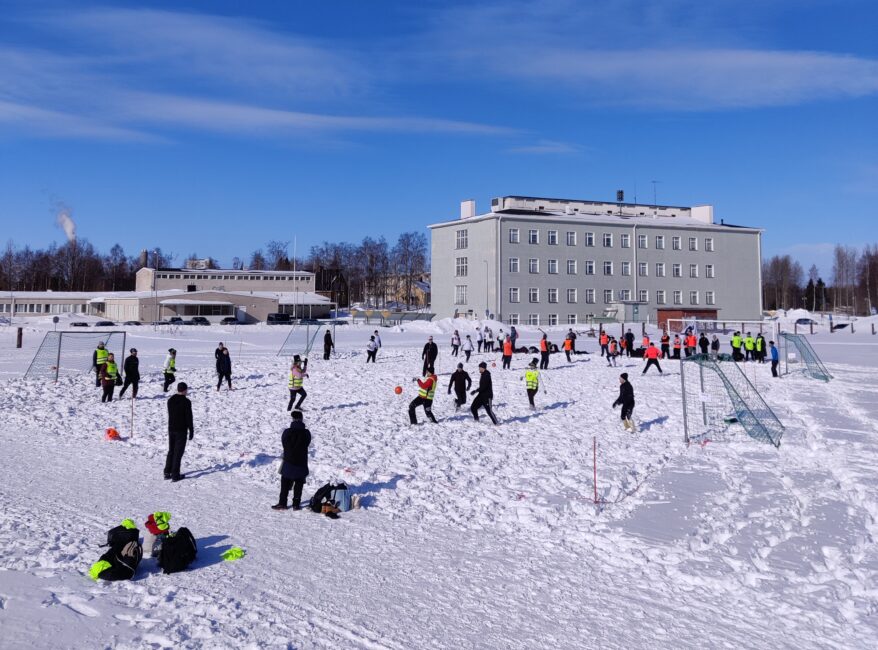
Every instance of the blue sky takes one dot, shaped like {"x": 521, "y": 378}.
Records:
{"x": 199, "y": 128}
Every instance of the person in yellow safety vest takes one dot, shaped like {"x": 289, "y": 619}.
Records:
{"x": 426, "y": 392}
{"x": 109, "y": 375}
{"x": 532, "y": 382}
{"x": 296, "y": 381}
{"x": 750, "y": 347}
{"x": 98, "y": 359}
{"x": 170, "y": 368}
{"x": 737, "y": 342}
{"x": 760, "y": 348}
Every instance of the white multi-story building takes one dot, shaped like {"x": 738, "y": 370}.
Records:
{"x": 543, "y": 261}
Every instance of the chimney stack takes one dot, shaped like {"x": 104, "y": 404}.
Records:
{"x": 467, "y": 209}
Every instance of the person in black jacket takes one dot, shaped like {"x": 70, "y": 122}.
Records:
{"x": 328, "y": 345}
{"x": 179, "y": 424}
{"x": 484, "y": 394}
{"x": 294, "y": 469}
{"x": 431, "y": 351}
{"x": 132, "y": 374}
{"x": 626, "y": 401}
{"x": 224, "y": 369}
{"x": 219, "y": 351}
{"x": 629, "y": 342}
{"x": 703, "y": 343}
{"x": 461, "y": 382}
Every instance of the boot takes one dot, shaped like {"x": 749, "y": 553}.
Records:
{"x": 279, "y": 506}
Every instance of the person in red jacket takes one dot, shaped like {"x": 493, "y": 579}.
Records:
{"x": 605, "y": 342}
{"x": 666, "y": 345}
{"x": 677, "y": 345}
{"x": 652, "y": 356}
{"x": 426, "y": 392}
{"x": 544, "y": 352}
{"x": 691, "y": 344}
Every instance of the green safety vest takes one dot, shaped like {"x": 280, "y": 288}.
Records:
{"x": 428, "y": 394}
{"x": 749, "y": 342}
{"x": 111, "y": 370}
{"x": 532, "y": 379}
{"x": 759, "y": 345}
{"x": 171, "y": 366}
{"x": 101, "y": 355}
{"x": 736, "y": 341}
{"x": 295, "y": 382}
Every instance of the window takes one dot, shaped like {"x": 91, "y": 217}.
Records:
{"x": 660, "y": 242}
{"x": 552, "y": 295}
{"x": 553, "y": 319}
{"x": 660, "y": 297}
{"x": 533, "y": 236}
{"x": 514, "y": 295}
{"x": 608, "y": 296}
{"x": 643, "y": 295}
{"x": 626, "y": 268}
{"x": 608, "y": 268}
{"x": 553, "y": 238}
{"x": 512, "y": 319}
{"x": 660, "y": 269}
{"x": 571, "y": 319}
{"x": 693, "y": 297}
{"x": 693, "y": 270}
{"x": 571, "y": 238}
{"x": 589, "y": 296}
{"x": 460, "y": 267}
{"x": 571, "y": 267}
{"x": 710, "y": 297}
{"x": 533, "y": 294}
{"x": 589, "y": 267}
{"x": 708, "y": 271}
{"x": 533, "y": 319}
{"x": 642, "y": 241}
{"x": 678, "y": 297}
{"x": 533, "y": 265}
{"x": 513, "y": 265}
{"x": 708, "y": 244}
{"x": 460, "y": 294}
{"x": 571, "y": 295}
{"x": 677, "y": 270}
{"x": 552, "y": 266}
{"x": 514, "y": 236}
{"x": 676, "y": 244}
{"x": 625, "y": 240}
{"x": 589, "y": 239}
{"x": 462, "y": 239}
{"x": 693, "y": 243}
{"x": 608, "y": 240}
{"x": 625, "y": 294}
{"x": 642, "y": 269}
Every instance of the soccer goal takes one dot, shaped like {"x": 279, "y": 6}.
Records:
{"x": 71, "y": 352}
{"x": 768, "y": 328}
{"x": 717, "y": 395}
{"x": 301, "y": 339}
{"x": 798, "y": 355}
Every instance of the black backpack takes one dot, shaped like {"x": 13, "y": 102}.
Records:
{"x": 120, "y": 535}
{"x": 320, "y": 496}
{"x": 178, "y": 551}
{"x": 123, "y": 561}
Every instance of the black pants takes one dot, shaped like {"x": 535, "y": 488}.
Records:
{"x": 479, "y": 344}
{"x": 428, "y": 403}
{"x": 605, "y": 349}
{"x": 666, "y": 351}
{"x": 429, "y": 364}
{"x": 749, "y": 356}
{"x": 454, "y": 349}
{"x": 627, "y": 410}
{"x": 98, "y": 369}
{"x": 628, "y": 349}
{"x": 467, "y": 353}
{"x": 286, "y": 484}
{"x": 370, "y": 355}
{"x": 459, "y": 397}
{"x": 652, "y": 362}
{"x": 774, "y": 368}
{"x": 109, "y": 387}
{"x": 326, "y": 350}
{"x": 176, "y": 447}
{"x": 129, "y": 381}
{"x": 573, "y": 345}
{"x": 567, "y": 352}
{"x": 169, "y": 379}
{"x": 481, "y": 402}
{"x": 302, "y": 396}
{"x": 530, "y": 395}
{"x": 676, "y": 353}
{"x": 507, "y": 360}
{"x": 544, "y": 360}
{"x": 227, "y": 376}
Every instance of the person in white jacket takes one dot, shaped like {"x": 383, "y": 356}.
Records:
{"x": 467, "y": 346}
{"x": 371, "y": 350}
{"x": 455, "y": 343}
{"x": 480, "y": 338}
{"x": 377, "y": 338}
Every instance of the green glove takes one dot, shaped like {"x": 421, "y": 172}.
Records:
{"x": 234, "y": 553}
{"x": 97, "y": 568}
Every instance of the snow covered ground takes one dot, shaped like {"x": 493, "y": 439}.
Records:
{"x": 470, "y": 536}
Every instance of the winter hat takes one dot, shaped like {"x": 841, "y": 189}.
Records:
{"x": 133, "y": 350}
{"x": 296, "y": 357}
{"x": 172, "y": 351}
{"x": 460, "y": 365}
{"x": 624, "y": 376}
{"x": 483, "y": 365}
{"x": 182, "y": 387}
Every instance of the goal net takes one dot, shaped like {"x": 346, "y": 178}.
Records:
{"x": 71, "y": 352}
{"x": 798, "y": 355}
{"x": 724, "y": 328}
{"x": 301, "y": 339}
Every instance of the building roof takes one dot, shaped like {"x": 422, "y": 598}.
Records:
{"x": 184, "y": 301}
{"x": 226, "y": 271}
{"x": 283, "y": 298}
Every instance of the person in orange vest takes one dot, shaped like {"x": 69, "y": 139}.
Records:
{"x": 507, "y": 353}
{"x": 568, "y": 347}
{"x": 691, "y": 343}
{"x": 605, "y": 341}
{"x": 652, "y": 356}
{"x": 612, "y": 352}
{"x": 544, "y": 352}
{"x": 426, "y": 392}
{"x": 677, "y": 345}
{"x": 645, "y": 342}
{"x": 666, "y": 345}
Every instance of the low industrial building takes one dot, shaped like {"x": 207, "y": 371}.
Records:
{"x": 205, "y": 279}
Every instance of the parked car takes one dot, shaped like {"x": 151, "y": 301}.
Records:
{"x": 105, "y": 323}
{"x": 188, "y": 321}
{"x": 229, "y": 320}
{"x": 178, "y": 320}
{"x": 132, "y": 322}
{"x": 279, "y": 319}
{"x": 200, "y": 320}
{"x": 78, "y": 323}
{"x": 806, "y": 321}
{"x": 309, "y": 321}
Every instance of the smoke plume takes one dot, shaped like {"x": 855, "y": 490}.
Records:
{"x": 65, "y": 221}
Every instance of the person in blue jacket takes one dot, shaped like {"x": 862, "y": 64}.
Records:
{"x": 775, "y": 358}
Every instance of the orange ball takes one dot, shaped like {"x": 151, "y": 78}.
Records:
{"x": 398, "y": 390}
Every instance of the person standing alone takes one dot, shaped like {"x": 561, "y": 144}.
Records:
{"x": 294, "y": 469}
{"x": 775, "y": 358}
{"x": 626, "y": 401}
{"x": 431, "y": 351}
{"x": 328, "y": 345}
{"x": 371, "y": 350}
{"x": 224, "y": 369}
{"x": 132, "y": 374}
{"x": 179, "y": 426}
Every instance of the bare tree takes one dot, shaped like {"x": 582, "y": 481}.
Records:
{"x": 277, "y": 257}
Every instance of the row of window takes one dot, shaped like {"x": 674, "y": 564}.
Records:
{"x": 212, "y": 276}
{"x": 623, "y": 295}
{"x": 40, "y": 308}
{"x": 533, "y": 237}
{"x": 534, "y": 319}
{"x": 461, "y": 268}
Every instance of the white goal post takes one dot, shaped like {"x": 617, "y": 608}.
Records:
{"x": 770, "y": 329}
{"x": 71, "y": 352}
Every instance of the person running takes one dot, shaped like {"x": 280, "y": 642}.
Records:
{"x": 132, "y": 374}
{"x": 371, "y": 349}
{"x": 294, "y": 468}
{"x": 612, "y": 352}
{"x": 532, "y": 382}
{"x": 480, "y": 339}
{"x": 467, "y": 347}
{"x": 296, "y": 383}
{"x": 545, "y": 346}
{"x": 678, "y": 343}
{"x": 328, "y": 345}
{"x": 775, "y": 358}
{"x": 455, "y": 343}
{"x": 429, "y": 355}
{"x": 224, "y": 369}
{"x": 652, "y": 356}
{"x": 704, "y": 343}
{"x": 714, "y": 347}
{"x": 179, "y": 425}
{"x": 426, "y": 393}
{"x": 170, "y": 368}
{"x": 461, "y": 382}
{"x": 98, "y": 359}
{"x": 507, "y": 354}
{"x": 629, "y": 342}
{"x": 568, "y": 347}
{"x": 666, "y": 345}
{"x": 484, "y": 394}
{"x": 604, "y": 341}
{"x": 626, "y": 401}
{"x": 109, "y": 375}
{"x": 572, "y": 336}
